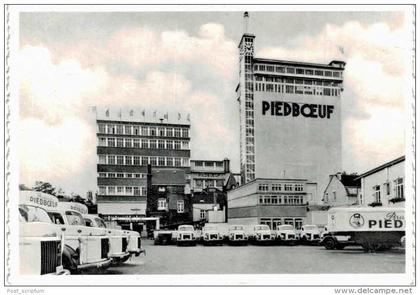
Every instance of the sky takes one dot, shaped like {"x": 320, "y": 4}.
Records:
{"x": 188, "y": 62}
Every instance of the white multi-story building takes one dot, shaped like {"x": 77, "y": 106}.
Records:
{"x": 127, "y": 142}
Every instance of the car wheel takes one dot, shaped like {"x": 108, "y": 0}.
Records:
{"x": 329, "y": 243}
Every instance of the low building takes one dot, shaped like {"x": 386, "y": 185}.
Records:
{"x": 209, "y": 205}
{"x": 167, "y": 198}
{"x": 210, "y": 180}
{"x": 342, "y": 190}
{"x": 270, "y": 201}
{"x": 384, "y": 185}
{"x": 208, "y": 173}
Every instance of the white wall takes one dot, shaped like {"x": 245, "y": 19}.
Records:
{"x": 115, "y": 208}
{"x": 319, "y": 218}
{"x": 243, "y": 221}
{"x": 197, "y": 209}
{"x": 388, "y": 174}
{"x": 297, "y": 147}
{"x": 216, "y": 216}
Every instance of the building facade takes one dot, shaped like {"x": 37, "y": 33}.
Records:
{"x": 209, "y": 205}
{"x": 290, "y": 117}
{"x": 127, "y": 142}
{"x": 210, "y": 180}
{"x": 342, "y": 190}
{"x": 167, "y": 198}
{"x": 208, "y": 173}
{"x": 384, "y": 185}
{"x": 270, "y": 201}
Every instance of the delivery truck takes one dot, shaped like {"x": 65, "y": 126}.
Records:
{"x": 373, "y": 228}
{"x": 41, "y": 244}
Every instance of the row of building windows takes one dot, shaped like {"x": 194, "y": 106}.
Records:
{"x": 144, "y": 143}
{"x": 280, "y": 200}
{"x": 273, "y": 223}
{"x": 143, "y": 161}
{"x": 386, "y": 190}
{"x": 162, "y": 204}
{"x": 209, "y": 164}
{"x": 309, "y": 90}
{"x": 295, "y": 81}
{"x": 202, "y": 183}
{"x": 143, "y": 130}
{"x": 202, "y": 174}
{"x": 276, "y": 187}
{"x": 297, "y": 71}
{"x": 121, "y": 175}
{"x": 122, "y": 190}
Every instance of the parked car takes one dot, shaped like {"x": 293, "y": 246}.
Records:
{"x": 286, "y": 234}
{"x": 310, "y": 234}
{"x": 210, "y": 235}
{"x": 186, "y": 235}
{"x": 237, "y": 235}
{"x": 262, "y": 234}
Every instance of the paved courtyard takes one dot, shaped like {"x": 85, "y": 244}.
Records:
{"x": 260, "y": 259}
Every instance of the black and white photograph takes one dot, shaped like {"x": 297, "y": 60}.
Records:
{"x": 210, "y": 145}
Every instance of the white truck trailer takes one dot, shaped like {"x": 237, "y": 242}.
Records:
{"x": 372, "y": 228}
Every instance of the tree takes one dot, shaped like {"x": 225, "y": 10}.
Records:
{"x": 44, "y": 187}
{"x": 78, "y": 199}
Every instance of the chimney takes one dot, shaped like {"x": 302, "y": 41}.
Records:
{"x": 226, "y": 165}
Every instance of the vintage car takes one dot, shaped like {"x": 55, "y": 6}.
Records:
{"x": 261, "y": 234}
{"x": 310, "y": 234}
{"x": 286, "y": 234}
{"x": 186, "y": 235}
{"x": 210, "y": 235}
{"x": 237, "y": 235}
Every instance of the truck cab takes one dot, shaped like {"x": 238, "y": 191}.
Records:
{"x": 210, "y": 235}
{"x": 118, "y": 239}
{"x": 286, "y": 234}
{"x": 237, "y": 235}
{"x": 87, "y": 247}
{"x": 186, "y": 235}
{"x": 310, "y": 234}
{"x": 40, "y": 242}
{"x": 262, "y": 234}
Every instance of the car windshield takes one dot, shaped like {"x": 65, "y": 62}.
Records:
{"x": 56, "y": 217}
{"x": 310, "y": 227}
{"x": 262, "y": 227}
{"x": 186, "y": 228}
{"x": 75, "y": 218}
{"x": 100, "y": 223}
{"x": 286, "y": 227}
{"x": 209, "y": 227}
{"x": 237, "y": 227}
{"x": 33, "y": 214}
{"x": 88, "y": 222}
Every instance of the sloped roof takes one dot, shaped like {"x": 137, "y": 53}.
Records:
{"x": 350, "y": 180}
{"x": 383, "y": 166}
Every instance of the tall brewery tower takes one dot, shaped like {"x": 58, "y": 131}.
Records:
{"x": 290, "y": 117}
